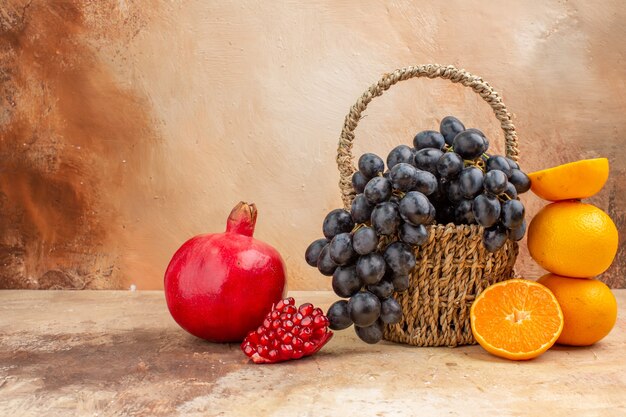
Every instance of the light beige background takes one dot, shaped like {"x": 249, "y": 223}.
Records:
{"x": 129, "y": 126}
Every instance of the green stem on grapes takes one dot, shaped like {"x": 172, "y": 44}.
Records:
{"x": 357, "y": 227}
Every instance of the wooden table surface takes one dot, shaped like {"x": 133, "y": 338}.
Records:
{"x": 120, "y": 353}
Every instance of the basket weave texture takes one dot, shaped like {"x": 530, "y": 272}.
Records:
{"x": 453, "y": 267}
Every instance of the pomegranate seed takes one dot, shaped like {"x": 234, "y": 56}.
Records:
{"x": 249, "y": 350}
{"x": 298, "y": 318}
{"x": 286, "y": 351}
{"x": 286, "y": 339}
{"x": 305, "y": 333}
{"x": 290, "y": 309}
{"x": 320, "y": 321}
{"x": 297, "y": 343}
{"x": 319, "y": 332}
{"x": 272, "y": 354}
{"x": 306, "y": 309}
{"x": 287, "y": 333}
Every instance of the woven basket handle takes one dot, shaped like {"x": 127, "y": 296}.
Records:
{"x": 480, "y": 87}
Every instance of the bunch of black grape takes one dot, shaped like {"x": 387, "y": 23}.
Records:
{"x": 368, "y": 250}
{"x": 446, "y": 177}
{"x": 474, "y": 186}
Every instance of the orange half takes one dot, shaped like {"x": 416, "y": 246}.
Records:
{"x": 573, "y": 181}
{"x": 516, "y": 319}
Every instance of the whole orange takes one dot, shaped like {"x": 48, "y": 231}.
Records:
{"x": 572, "y": 239}
{"x": 589, "y": 308}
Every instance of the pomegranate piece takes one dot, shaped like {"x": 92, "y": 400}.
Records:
{"x": 287, "y": 333}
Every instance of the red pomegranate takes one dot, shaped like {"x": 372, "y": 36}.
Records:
{"x": 220, "y": 286}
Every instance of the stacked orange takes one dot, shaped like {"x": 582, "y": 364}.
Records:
{"x": 576, "y": 242}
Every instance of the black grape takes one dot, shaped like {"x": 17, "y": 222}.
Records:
{"x": 486, "y": 209}
{"x": 470, "y": 144}
{"x": 385, "y": 218}
{"x": 495, "y": 182}
{"x": 463, "y": 213}
{"x": 340, "y": 249}
{"x": 390, "y": 311}
{"x": 337, "y": 221}
{"x": 425, "y": 182}
{"x": 413, "y": 235}
{"x": 415, "y": 208}
{"x": 400, "y": 258}
{"x": 428, "y": 139}
{"x": 520, "y": 181}
{"x": 470, "y": 182}
{"x": 400, "y": 154}
{"x": 518, "y": 233}
{"x": 364, "y": 308}
{"x": 499, "y": 163}
{"x": 454, "y": 193}
{"x": 512, "y": 163}
{"x": 370, "y": 334}
{"x": 382, "y": 290}
{"x": 339, "y": 316}
{"x": 378, "y": 190}
{"x": 450, "y": 127}
{"x": 361, "y": 209}
{"x": 403, "y": 176}
{"x": 370, "y": 268}
{"x": 312, "y": 253}
{"x": 426, "y": 159}
{"x": 510, "y": 191}
{"x": 371, "y": 165}
{"x": 494, "y": 237}
{"x": 358, "y": 182}
{"x": 400, "y": 282}
{"x": 450, "y": 165}
{"x": 324, "y": 263}
{"x": 345, "y": 282}
{"x": 512, "y": 214}
{"x": 364, "y": 241}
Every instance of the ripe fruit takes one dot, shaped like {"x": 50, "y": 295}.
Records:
{"x": 589, "y": 308}
{"x": 339, "y": 316}
{"x": 364, "y": 308}
{"x": 287, "y": 333}
{"x": 573, "y": 181}
{"x": 220, "y": 286}
{"x": 370, "y": 334}
{"x": 516, "y": 319}
{"x": 572, "y": 239}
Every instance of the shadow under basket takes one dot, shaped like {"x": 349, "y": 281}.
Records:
{"x": 453, "y": 267}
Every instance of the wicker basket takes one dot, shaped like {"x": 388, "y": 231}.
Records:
{"x": 452, "y": 267}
